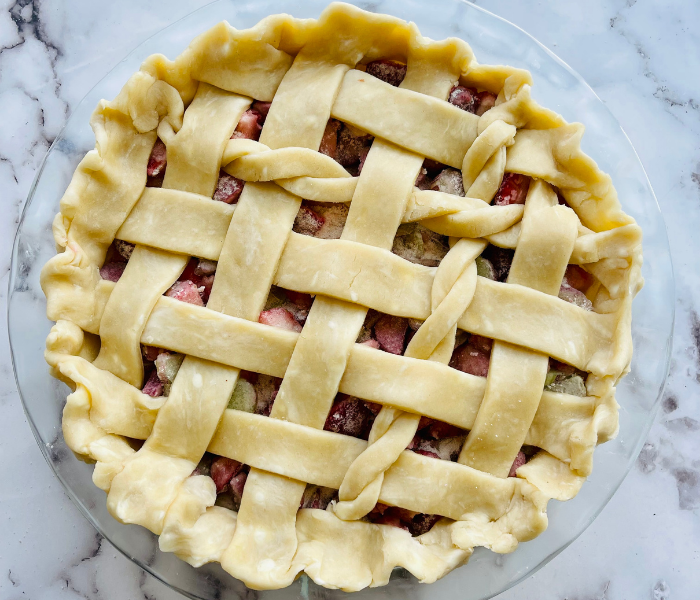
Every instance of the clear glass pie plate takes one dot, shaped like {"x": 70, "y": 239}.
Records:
{"x": 556, "y": 86}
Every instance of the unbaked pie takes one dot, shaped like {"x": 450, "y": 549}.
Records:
{"x": 335, "y": 298}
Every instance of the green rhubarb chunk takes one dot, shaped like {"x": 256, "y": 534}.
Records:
{"x": 484, "y": 268}
{"x": 243, "y": 397}
{"x": 572, "y": 385}
{"x": 167, "y": 365}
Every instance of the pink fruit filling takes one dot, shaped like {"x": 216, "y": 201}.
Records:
{"x": 390, "y": 332}
{"x": 473, "y": 356}
{"x": 185, "y": 291}
{"x": 323, "y": 220}
{"x": 470, "y": 100}
{"x": 346, "y": 145}
{"x": 157, "y": 161}
{"x": 389, "y": 71}
{"x": 319, "y": 497}
{"x": 351, "y": 416}
{"x": 112, "y": 271}
{"x": 519, "y": 461}
{"x": 415, "y": 523}
{"x": 153, "y": 386}
{"x": 222, "y": 471}
{"x": 228, "y": 188}
{"x": 279, "y": 317}
{"x": 513, "y": 189}
{"x": 308, "y": 222}
{"x": 294, "y": 304}
{"x": 249, "y": 126}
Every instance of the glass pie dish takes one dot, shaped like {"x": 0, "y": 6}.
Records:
{"x": 494, "y": 41}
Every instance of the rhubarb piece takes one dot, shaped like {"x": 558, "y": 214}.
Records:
{"x": 449, "y": 181}
{"x": 426, "y": 452}
{"x": 334, "y": 215}
{"x": 228, "y": 188}
{"x": 371, "y": 343}
{"x": 349, "y": 416}
{"x": 390, "y": 332}
{"x": 449, "y": 448}
{"x": 243, "y": 397}
{"x": 513, "y": 189}
{"x": 157, "y": 161}
{"x": 150, "y": 353}
{"x": 205, "y": 288}
{"x": 279, "y": 317}
{"x": 167, "y": 366}
{"x": 300, "y": 299}
{"x": 464, "y": 98}
{"x": 572, "y": 295}
{"x": 419, "y": 245}
{"x": 564, "y": 383}
{"x": 352, "y": 149}
{"x": 484, "y": 268}
{"x": 329, "y": 141}
{"x": 439, "y": 430}
{"x": 389, "y": 71}
{"x": 248, "y": 127}
{"x": 154, "y": 386}
{"x": 277, "y": 297}
{"x": 317, "y": 496}
{"x": 266, "y": 388}
{"x": 577, "y": 278}
{"x": 112, "y": 271}
{"x": 485, "y": 101}
{"x": 204, "y": 465}
{"x": 262, "y": 108}
{"x": 185, "y": 291}
{"x": 519, "y": 461}
{"x": 125, "y": 249}
{"x": 236, "y": 486}
{"x": 500, "y": 259}
{"x": 471, "y": 358}
{"x": 223, "y": 470}
{"x": 307, "y": 221}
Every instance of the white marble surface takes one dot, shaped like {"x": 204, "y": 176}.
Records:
{"x": 638, "y": 55}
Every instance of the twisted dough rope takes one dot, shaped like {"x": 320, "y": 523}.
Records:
{"x": 393, "y": 429}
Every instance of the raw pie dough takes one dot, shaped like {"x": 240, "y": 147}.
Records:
{"x": 307, "y": 68}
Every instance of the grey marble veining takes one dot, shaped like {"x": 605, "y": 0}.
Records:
{"x": 642, "y": 57}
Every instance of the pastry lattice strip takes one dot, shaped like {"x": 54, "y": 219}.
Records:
{"x": 153, "y": 487}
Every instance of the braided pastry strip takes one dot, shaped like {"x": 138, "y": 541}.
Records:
{"x": 393, "y": 430}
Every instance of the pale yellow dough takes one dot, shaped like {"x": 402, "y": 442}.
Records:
{"x": 312, "y": 70}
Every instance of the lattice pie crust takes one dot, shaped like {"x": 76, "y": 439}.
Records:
{"x": 312, "y": 71}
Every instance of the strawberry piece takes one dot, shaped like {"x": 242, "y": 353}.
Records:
{"x": 519, "y": 461}
{"x": 223, "y": 470}
{"x": 391, "y": 333}
{"x": 349, "y": 416}
{"x": 112, "y": 271}
{"x": 185, "y": 291}
{"x": 228, "y": 188}
{"x": 329, "y": 142}
{"x": 279, "y": 317}
{"x": 464, "y": 98}
{"x": 577, "y": 278}
{"x": 262, "y": 108}
{"x": 513, "y": 189}
{"x": 157, "y": 161}
{"x": 372, "y": 343}
{"x": 301, "y": 300}
{"x": 389, "y": 71}
{"x": 150, "y": 353}
{"x": 248, "y": 127}
{"x": 469, "y": 358}
{"x": 125, "y": 249}
{"x": 307, "y": 221}
{"x": 236, "y": 486}
{"x": 154, "y": 386}
{"x": 482, "y": 344}
{"x": 485, "y": 101}
{"x": 422, "y": 523}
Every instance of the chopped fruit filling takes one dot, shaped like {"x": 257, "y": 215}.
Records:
{"x": 513, "y": 189}
{"x": 223, "y": 470}
{"x": 389, "y": 71}
{"x": 329, "y": 141}
{"x": 333, "y": 216}
{"x": 470, "y": 100}
{"x": 205, "y": 267}
{"x": 154, "y": 386}
{"x": 415, "y": 523}
{"x": 572, "y": 295}
{"x": 316, "y": 496}
{"x": 419, "y": 245}
{"x": 125, "y": 249}
{"x": 438, "y": 430}
{"x": 297, "y": 304}
{"x": 204, "y": 466}
{"x": 279, "y": 317}
{"x": 262, "y": 108}
{"x": 577, "y": 278}
{"x": 185, "y": 291}
{"x": 500, "y": 259}
{"x": 473, "y": 357}
{"x": 112, "y": 271}
{"x": 228, "y": 188}
{"x": 157, "y": 161}
{"x": 236, "y": 486}
{"x": 167, "y": 365}
{"x": 390, "y": 332}
{"x": 484, "y": 268}
{"x": 485, "y": 101}
{"x": 519, "y": 461}
{"x": 308, "y": 222}
{"x": 565, "y": 379}
{"x": 449, "y": 181}
{"x": 351, "y": 416}
{"x": 249, "y": 127}
{"x": 265, "y": 388}
{"x": 243, "y": 397}
{"x": 150, "y": 353}
{"x": 352, "y": 148}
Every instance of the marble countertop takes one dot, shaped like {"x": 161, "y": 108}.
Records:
{"x": 638, "y": 55}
